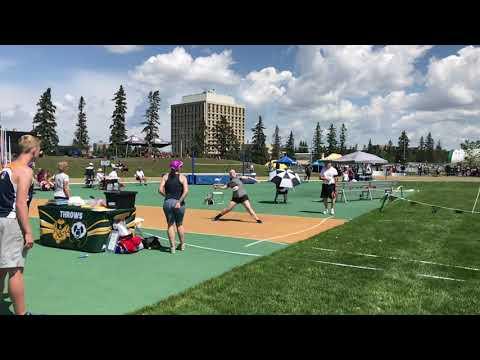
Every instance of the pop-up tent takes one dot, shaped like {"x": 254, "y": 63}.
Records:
{"x": 333, "y": 156}
{"x": 286, "y": 160}
{"x": 361, "y": 157}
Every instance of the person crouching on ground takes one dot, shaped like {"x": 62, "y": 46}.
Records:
{"x": 140, "y": 177}
{"x": 61, "y": 181}
{"x": 16, "y": 236}
{"x": 328, "y": 175}
{"x": 174, "y": 187}
{"x": 239, "y": 196}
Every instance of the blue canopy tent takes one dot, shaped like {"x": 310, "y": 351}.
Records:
{"x": 317, "y": 166}
{"x": 286, "y": 160}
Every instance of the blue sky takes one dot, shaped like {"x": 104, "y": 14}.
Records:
{"x": 376, "y": 91}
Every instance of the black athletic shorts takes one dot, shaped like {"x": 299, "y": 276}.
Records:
{"x": 240, "y": 200}
{"x": 328, "y": 191}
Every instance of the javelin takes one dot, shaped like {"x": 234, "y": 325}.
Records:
{"x": 474, "y": 205}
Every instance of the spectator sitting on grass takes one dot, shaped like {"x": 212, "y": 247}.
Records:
{"x": 140, "y": 177}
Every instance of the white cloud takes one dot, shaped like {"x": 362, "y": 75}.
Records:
{"x": 178, "y": 68}
{"x": 265, "y": 86}
{"x": 123, "y": 49}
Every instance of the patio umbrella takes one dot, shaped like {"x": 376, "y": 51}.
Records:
{"x": 284, "y": 178}
{"x": 362, "y": 158}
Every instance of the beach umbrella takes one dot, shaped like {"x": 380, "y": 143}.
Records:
{"x": 284, "y": 178}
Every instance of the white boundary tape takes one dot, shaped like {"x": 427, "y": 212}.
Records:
{"x": 474, "y": 205}
{"x": 347, "y": 265}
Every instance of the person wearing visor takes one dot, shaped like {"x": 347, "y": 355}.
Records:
{"x": 174, "y": 188}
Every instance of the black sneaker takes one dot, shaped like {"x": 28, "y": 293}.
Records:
{"x": 259, "y": 221}
{"x": 216, "y": 218}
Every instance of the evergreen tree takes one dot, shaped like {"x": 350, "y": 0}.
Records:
{"x": 343, "y": 139}
{"x": 259, "y": 152}
{"x": 429, "y": 147}
{"x": 402, "y": 150}
{"x": 198, "y": 146}
{"x": 422, "y": 144}
{"x": 226, "y": 143}
{"x": 290, "y": 146}
{"x": 151, "y": 119}
{"x": 317, "y": 147}
{"x": 277, "y": 143}
{"x": 332, "y": 139}
{"x": 439, "y": 146}
{"x": 118, "y": 130}
{"x": 370, "y": 146}
{"x": 302, "y": 147}
{"x": 44, "y": 123}
{"x": 81, "y": 134}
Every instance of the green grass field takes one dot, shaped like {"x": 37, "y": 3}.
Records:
{"x": 335, "y": 272}
{"x": 151, "y": 167}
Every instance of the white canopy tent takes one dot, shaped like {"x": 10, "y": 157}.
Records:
{"x": 360, "y": 157}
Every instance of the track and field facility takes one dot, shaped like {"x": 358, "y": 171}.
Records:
{"x": 408, "y": 259}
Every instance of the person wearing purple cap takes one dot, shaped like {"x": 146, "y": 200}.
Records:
{"x": 174, "y": 187}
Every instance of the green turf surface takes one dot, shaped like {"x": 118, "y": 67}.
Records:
{"x": 59, "y": 282}
{"x": 290, "y": 281}
{"x": 304, "y": 201}
{"x": 150, "y": 167}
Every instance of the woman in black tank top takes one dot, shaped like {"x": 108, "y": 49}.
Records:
{"x": 174, "y": 188}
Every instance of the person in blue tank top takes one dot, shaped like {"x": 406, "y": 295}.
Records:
{"x": 174, "y": 187}
{"x": 15, "y": 232}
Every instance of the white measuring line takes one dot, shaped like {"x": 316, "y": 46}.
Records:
{"x": 124, "y": 182}
{"x": 347, "y": 265}
{"x": 380, "y": 269}
{"x": 208, "y": 248}
{"x": 474, "y": 205}
{"x": 396, "y": 258}
{"x": 438, "y": 277}
{"x": 287, "y": 235}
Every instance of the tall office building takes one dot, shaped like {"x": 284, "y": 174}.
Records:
{"x": 187, "y": 117}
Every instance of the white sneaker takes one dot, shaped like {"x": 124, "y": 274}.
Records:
{"x": 325, "y": 212}
{"x": 332, "y": 212}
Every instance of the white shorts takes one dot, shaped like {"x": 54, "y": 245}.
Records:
{"x": 12, "y": 251}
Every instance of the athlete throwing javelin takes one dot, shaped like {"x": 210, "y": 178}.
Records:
{"x": 239, "y": 196}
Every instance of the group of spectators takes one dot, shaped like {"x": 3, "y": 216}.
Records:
{"x": 460, "y": 170}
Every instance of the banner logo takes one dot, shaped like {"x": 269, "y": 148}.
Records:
{"x": 60, "y": 231}
{"x": 79, "y": 230}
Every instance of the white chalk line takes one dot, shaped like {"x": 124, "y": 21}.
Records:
{"x": 400, "y": 259}
{"x": 474, "y": 205}
{"x": 208, "y": 248}
{"x": 288, "y": 235}
{"x": 439, "y": 277}
{"x": 380, "y": 269}
{"x": 348, "y": 265}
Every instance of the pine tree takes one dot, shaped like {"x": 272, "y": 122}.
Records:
{"x": 402, "y": 150}
{"x": 370, "y": 146}
{"x": 422, "y": 144}
{"x": 81, "y": 134}
{"x": 277, "y": 143}
{"x": 290, "y": 146}
{"x": 151, "y": 119}
{"x": 198, "y": 146}
{"x": 439, "y": 146}
{"x": 429, "y": 147}
{"x": 302, "y": 147}
{"x": 44, "y": 123}
{"x": 226, "y": 143}
{"x": 118, "y": 130}
{"x": 317, "y": 147}
{"x": 343, "y": 139}
{"x": 259, "y": 152}
{"x": 332, "y": 139}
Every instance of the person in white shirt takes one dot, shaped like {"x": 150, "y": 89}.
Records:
{"x": 61, "y": 181}
{"x": 328, "y": 175}
{"x": 345, "y": 174}
{"x": 111, "y": 184}
{"x": 140, "y": 177}
{"x": 100, "y": 177}
{"x": 113, "y": 175}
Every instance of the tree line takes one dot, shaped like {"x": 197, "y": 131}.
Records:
{"x": 44, "y": 123}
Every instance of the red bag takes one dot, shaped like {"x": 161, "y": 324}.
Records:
{"x": 130, "y": 243}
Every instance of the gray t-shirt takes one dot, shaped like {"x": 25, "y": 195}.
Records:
{"x": 60, "y": 180}
{"x": 241, "y": 189}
